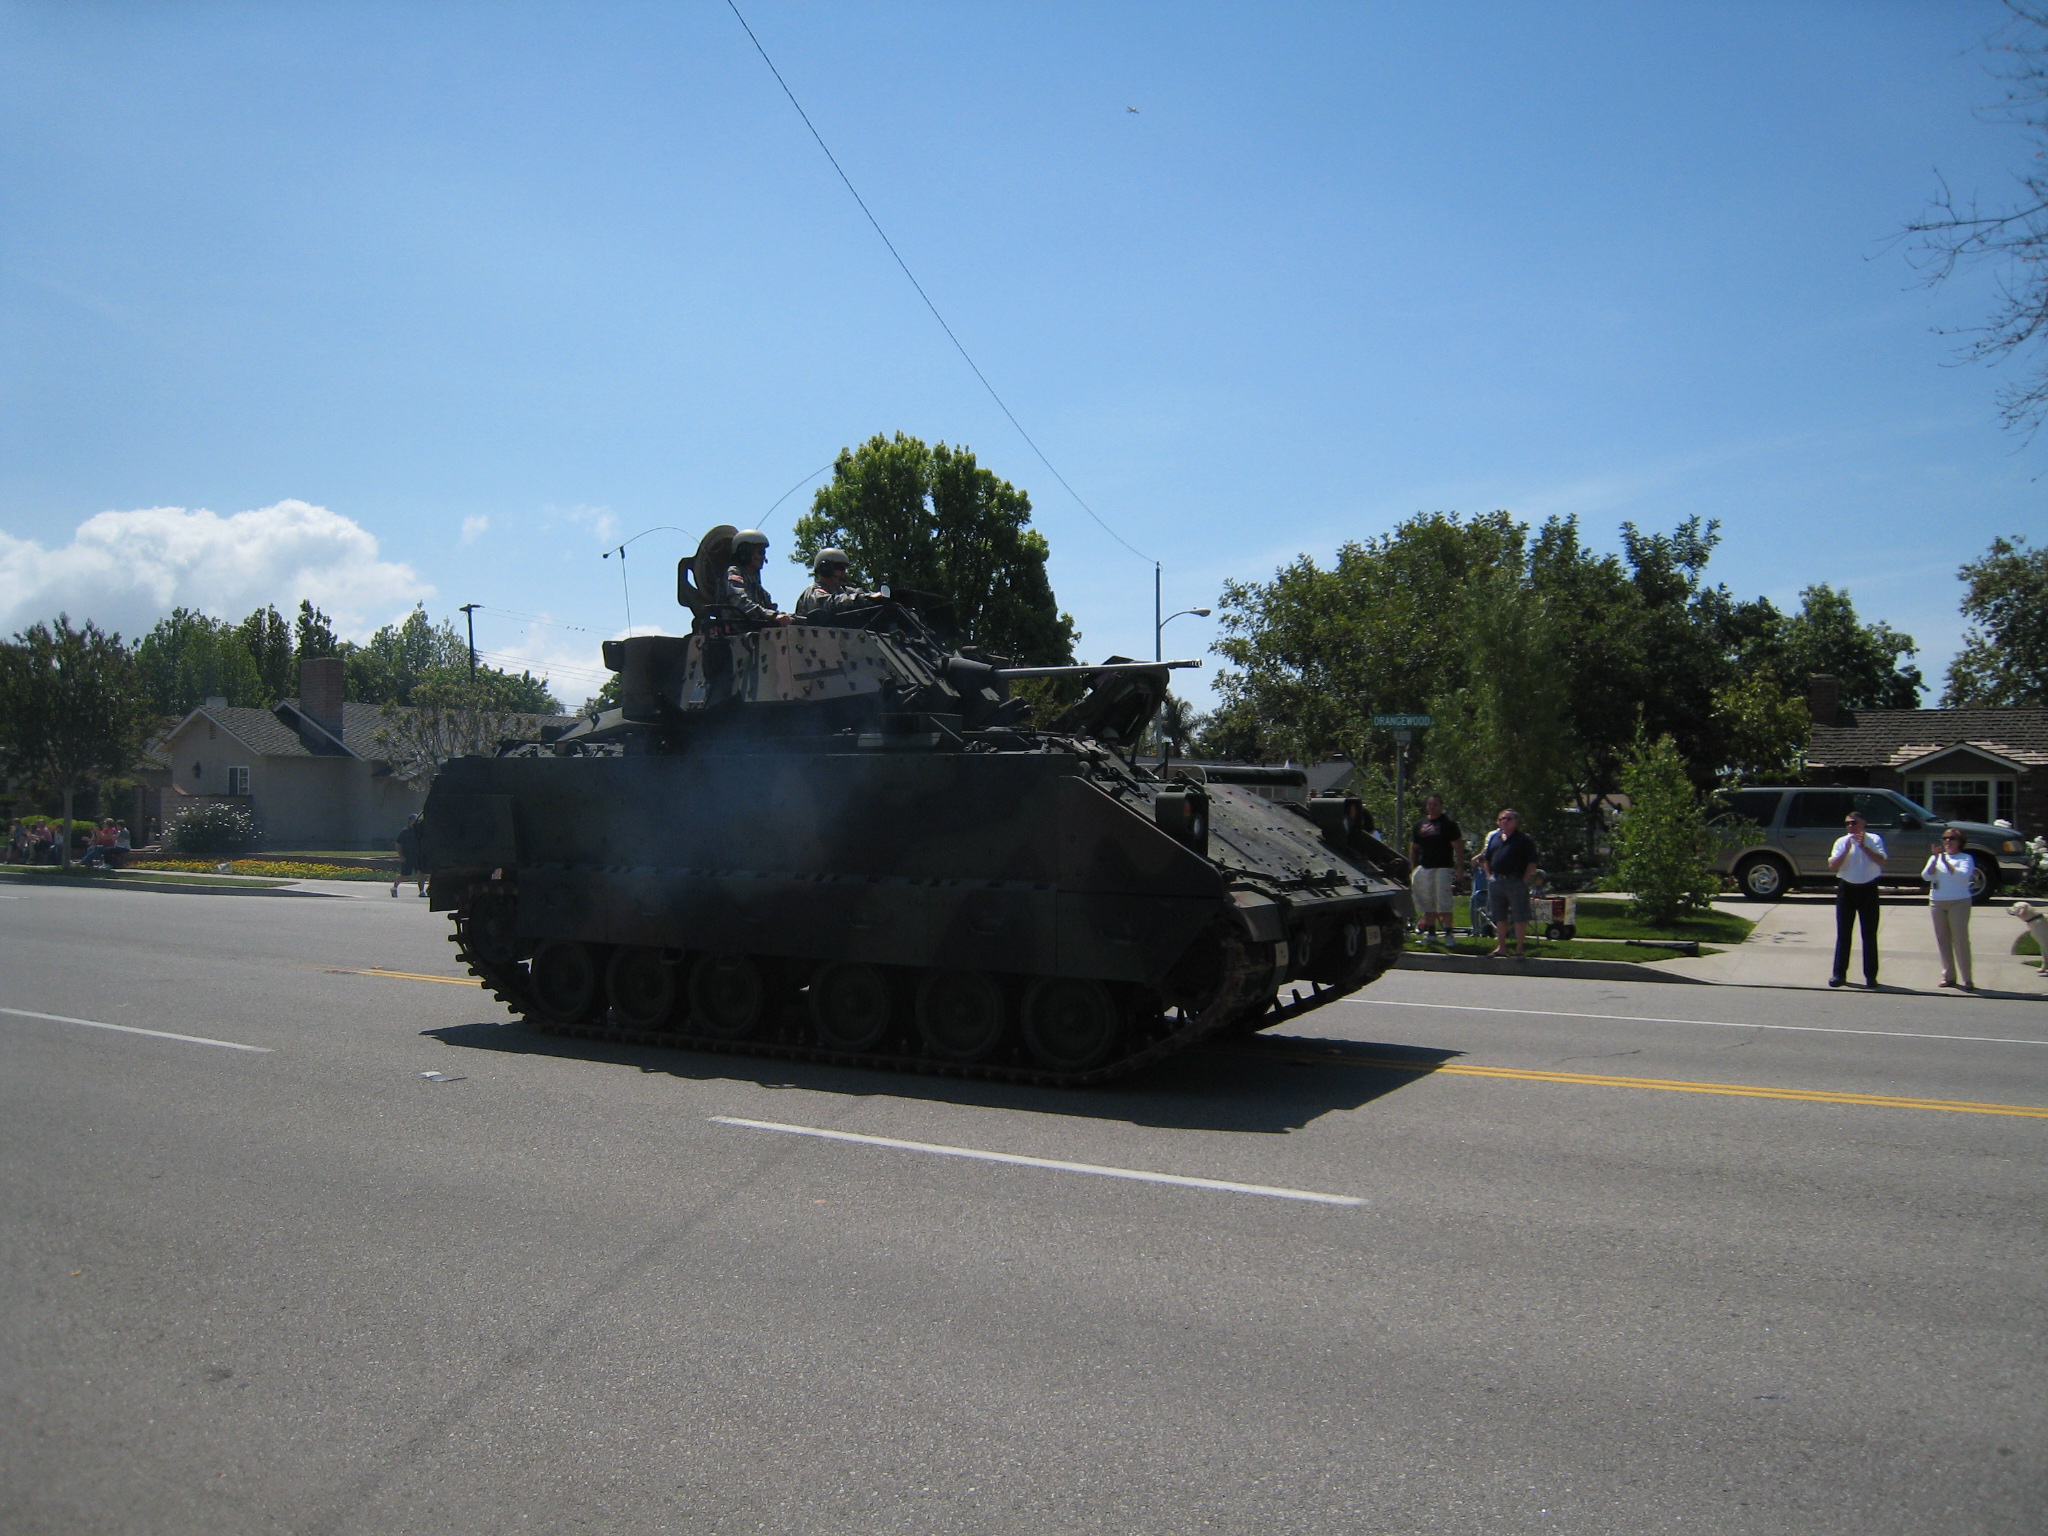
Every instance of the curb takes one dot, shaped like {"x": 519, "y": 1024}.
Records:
{"x": 1580, "y": 970}
{"x": 164, "y": 888}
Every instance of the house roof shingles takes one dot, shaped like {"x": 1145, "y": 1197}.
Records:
{"x": 1883, "y": 738}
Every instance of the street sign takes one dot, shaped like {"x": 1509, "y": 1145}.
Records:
{"x": 1404, "y": 722}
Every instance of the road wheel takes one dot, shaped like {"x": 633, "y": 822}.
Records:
{"x": 1555, "y": 931}
{"x": 1763, "y": 878}
{"x": 1071, "y": 1025}
{"x": 728, "y": 996}
{"x": 961, "y": 1015}
{"x": 564, "y": 982}
{"x": 641, "y": 985}
{"x": 1984, "y": 876}
{"x": 490, "y": 929}
{"x": 852, "y": 1007}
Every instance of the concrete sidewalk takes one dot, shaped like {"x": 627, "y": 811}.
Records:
{"x": 1794, "y": 946}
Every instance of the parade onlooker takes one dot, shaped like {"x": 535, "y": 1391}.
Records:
{"x": 1436, "y": 850}
{"x": 17, "y": 843}
{"x": 409, "y": 856}
{"x": 1510, "y": 864}
{"x": 1948, "y": 875}
{"x": 1857, "y": 860}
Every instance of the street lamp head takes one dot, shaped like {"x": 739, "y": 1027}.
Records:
{"x": 1200, "y": 613}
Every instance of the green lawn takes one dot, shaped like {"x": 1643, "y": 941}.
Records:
{"x": 1559, "y": 949}
{"x": 2026, "y": 944}
{"x": 25, "y": 874}
{"x": 1609, "y": 920}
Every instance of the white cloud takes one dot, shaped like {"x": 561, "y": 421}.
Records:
{"x": 474, "y": 528}
{"x": 126, "y": 570}
{"x": 601, "y": 521}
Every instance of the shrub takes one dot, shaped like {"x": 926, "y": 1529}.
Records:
{"x": 1662, "y": 849}
{"x": 213, "y": 830}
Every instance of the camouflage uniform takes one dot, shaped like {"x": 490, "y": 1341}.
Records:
{"x": 819, "y": 605}
{"x": 746, "y": 600}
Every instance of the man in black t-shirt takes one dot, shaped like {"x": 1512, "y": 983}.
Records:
{"x": 1510, "y": 865}
{"x": 1437, "y": 853}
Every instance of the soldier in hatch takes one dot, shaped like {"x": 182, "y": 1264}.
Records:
{"x": 828, "y": 592}
{"x": 746, "y": 600}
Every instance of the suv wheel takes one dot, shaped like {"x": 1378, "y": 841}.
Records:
{"x": 1983, "y": 876}
{"x": 1763, "y": 878}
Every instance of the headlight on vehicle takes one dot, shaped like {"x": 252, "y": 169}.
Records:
{"x": 2008, "y": 846}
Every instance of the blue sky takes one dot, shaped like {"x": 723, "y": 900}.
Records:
{"x": 435, "y": 302}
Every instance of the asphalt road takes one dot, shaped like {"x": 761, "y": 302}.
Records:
{"x": 307, "y": 1288}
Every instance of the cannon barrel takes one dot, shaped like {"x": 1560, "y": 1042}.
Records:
{"x": 1095, "y": 671}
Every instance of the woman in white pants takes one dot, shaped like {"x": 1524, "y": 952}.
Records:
{"x": 1948, "y": 876}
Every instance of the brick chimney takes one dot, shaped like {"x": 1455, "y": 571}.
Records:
{"x": 1823, "y": 698}
{"x": 321, "y": 688}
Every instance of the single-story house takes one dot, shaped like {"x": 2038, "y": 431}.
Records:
{"x": 310, "y": 768}
{"x": 1970, "y": 764}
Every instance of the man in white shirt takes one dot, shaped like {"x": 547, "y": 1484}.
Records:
{"x": 1857, "y": 860}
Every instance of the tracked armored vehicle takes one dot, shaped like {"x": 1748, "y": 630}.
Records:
{"x": 844, "y": 842}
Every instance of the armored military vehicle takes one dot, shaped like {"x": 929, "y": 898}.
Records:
{"x": 845, "y": 842}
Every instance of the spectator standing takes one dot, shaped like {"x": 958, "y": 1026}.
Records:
{"x": 17, "y": 843}
{"x": 409, "y": 855}
{"x": 1436, "y": 851}
{"x": 1948, "y": 875}
{"x": 1857, "y": 860}
{"x": 1510, "y": 863}
{"x": 1482, "y": 920}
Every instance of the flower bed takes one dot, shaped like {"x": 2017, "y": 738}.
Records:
{"x": 277, "y": 869}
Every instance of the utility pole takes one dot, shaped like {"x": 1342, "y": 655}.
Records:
{"x": 468, "y": 611}
{"x": 1158, "y": 624}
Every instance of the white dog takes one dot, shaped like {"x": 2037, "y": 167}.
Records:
{"x": 2037, "y": 924}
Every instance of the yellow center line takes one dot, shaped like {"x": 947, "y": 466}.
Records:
{"x": 1737, "y": 1090}
{"x": 446, "y": 981}
{"x": 1583, "y": 1079}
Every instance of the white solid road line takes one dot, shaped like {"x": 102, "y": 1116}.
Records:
{"x": 130, "y": 1029}
{"x": 1626, "y": 1018}
{"x": 1045, "y": 1162}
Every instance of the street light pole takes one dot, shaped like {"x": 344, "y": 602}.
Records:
{"x": 468, "y": 611}
{"x": 1158, "y": 624}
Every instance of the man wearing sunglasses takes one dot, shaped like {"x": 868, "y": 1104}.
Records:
{"x": 1857, "y": 860}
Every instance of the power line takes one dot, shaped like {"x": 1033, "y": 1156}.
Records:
{"x": 928, "y": 304}
{"x": 534, "y": 618}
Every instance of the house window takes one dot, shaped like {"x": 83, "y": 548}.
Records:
{"x": 1965, "y": 799}
{"x": 238, "y": 781}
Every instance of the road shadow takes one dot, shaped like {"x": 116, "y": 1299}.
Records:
{"x": 1263, "y": 1085}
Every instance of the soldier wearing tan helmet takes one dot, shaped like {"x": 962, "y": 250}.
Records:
{"x": 746, "y": 599}
{"x": 827, "y": 593}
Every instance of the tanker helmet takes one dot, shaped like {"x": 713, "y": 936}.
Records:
{"x": 749, "y": 538}
{"x": 830, "y": 559}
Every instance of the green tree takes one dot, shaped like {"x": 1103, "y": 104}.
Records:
{"x": 72, "y": 709}
{"x": 267, "y": 637}
{"x": 1825, "y": 636}
{"x": 313, "y": 633}
{"x": 1662, "y": 851}
{"x": 932, "y": 520}
{"x": 1762, "y": 728}
{"x": 1502, "y": 737}
{"x": 189, "y": 658}
{"x": 1315, "y": 653}
{"x": 448, "y": 715}
{"x": 2004, "y": 659}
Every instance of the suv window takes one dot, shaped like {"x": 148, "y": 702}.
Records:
{"x": 1820, "y": 808}
{"x": 1879, "y": 809}
{"x": 1757, "y": 805}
